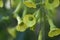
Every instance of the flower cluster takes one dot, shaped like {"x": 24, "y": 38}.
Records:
{"x": 22, "y": 12}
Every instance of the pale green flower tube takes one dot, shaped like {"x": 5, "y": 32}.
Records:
{"x": 8, "y": 4}
{"x": 18, "y": 19}
{"x": 24, "y": 12}
{"x": 37, "y": 14}
{"x": 17, "y": 8}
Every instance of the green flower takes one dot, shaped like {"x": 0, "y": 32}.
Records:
{"x": 54, "y": 32}
{"x": 21, "y": 27}
{"x": 48, "y": 5}
{"x": 29, "y": 20}
{"x": 30, "y": 4}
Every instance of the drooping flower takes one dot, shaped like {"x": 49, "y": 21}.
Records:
{"x": 29, "y": 20}
{"x": 21, "y": 27}
{"x": 48, "y": 5}
{"x": 54, "y": 32}
{"x": 30, "y": 4}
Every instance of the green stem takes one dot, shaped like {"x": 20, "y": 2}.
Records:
{"x": 18, "y": 8}
{"x": 15, "y": 13}
{"x": 19, "y": 19}
{"x": 40, "y": 35}
{"x": 24, "y": 12}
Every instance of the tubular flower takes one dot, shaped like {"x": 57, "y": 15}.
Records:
{"x": 1, "y": 3}
{"x": 21, "y": 27}
{"x": 48, "y": 5}
{"x": 29, "y": 20}
{"x": 54, "y": 32}
{"x": 30, "y": 4}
